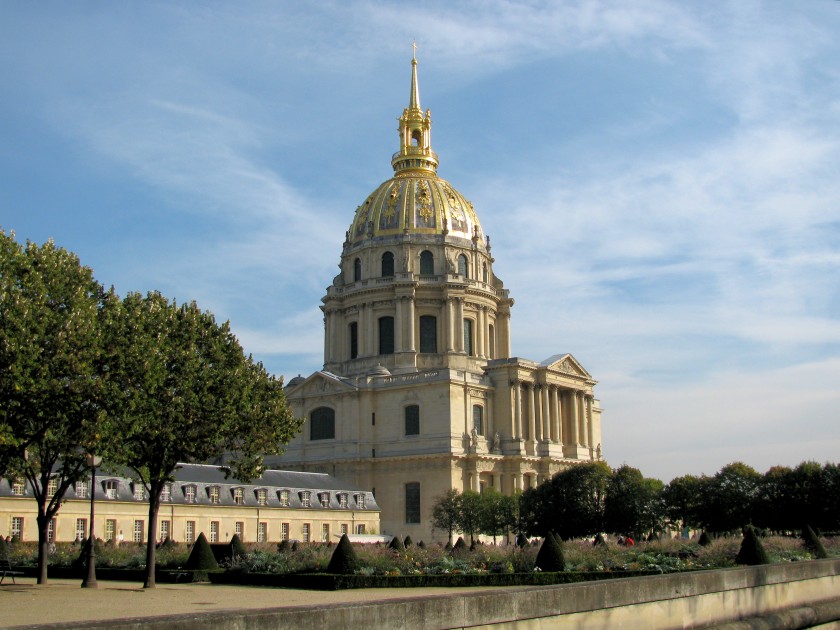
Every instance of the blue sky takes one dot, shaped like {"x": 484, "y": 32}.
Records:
{"x": 660, "y": 181}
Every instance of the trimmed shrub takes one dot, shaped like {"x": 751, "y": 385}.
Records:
{"x": 813, "y": 543}
{"x": 752, "y": 551}
{"x": 408, "y": 542}
{"x": 344, "y": 560}
{"x": 447, "y": 546}
{"x": 396, "y": 544}
{"x": 550, "y": 556}
{"x": 201, "y": 557}
{"x": 421, "y": 545}
{"x": 704, "y": 539}
{"x": 599, "y": 540}
{"x": 237, "y": 547}
{"x": 460, "y": 545}
{"x": 521, "y": 540}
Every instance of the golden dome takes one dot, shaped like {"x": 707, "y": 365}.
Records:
{"x": 415, "y": 201}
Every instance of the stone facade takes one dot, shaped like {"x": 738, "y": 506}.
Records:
{"x": 419, "y": 393}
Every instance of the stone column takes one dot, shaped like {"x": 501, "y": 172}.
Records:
{"x": 556, "y": 431}
{"x": 573, "y": 418}
{"x": 398, "y": 325}
{"x": 459, "y": 325}
{"x": 410, "y": 347}
{"x": 516, "y": 430}
{"x": 370, "y": 341}
{"x": 532, "y": 416}
{"x": 546, "y": 416}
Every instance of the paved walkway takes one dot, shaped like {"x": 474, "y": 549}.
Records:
{"x": 63, "y": 601}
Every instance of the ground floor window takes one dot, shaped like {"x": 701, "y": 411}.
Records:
{"x": 189, "y": 532}
{"x": 284, "y": 531}
{"x": 110, "y": 529}
{"x": 51, "y": 531}
{"x": 239, "y": 528}
{"x": 412, "y": 502}
{"x": 360, "y": 528}
{"x": 17, "y": 527}
{"x": 343, "y": 528}
{"x": 214, "y": 531}
{"x": 81, "y": 528}
{"x": 138, "y": 531}
{"x": 306, "y": 533}
{"x": 262, "y": 532}
{"x": 163, "y": 534}
{"x": 325, "y": 532}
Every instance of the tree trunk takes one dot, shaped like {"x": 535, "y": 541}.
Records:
{"x": 154, "y": 507}
{"x": 43, "y": 543}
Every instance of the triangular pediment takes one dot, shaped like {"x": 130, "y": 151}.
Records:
{"x": 566, "y": 364}
{"x": 318, "y": 384}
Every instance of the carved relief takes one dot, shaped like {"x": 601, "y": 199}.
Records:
{"x": 423, "y": 200}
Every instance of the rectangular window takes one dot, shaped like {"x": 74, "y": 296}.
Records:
{"x": 262, "y": 532}
{"x": 213, "y": 494}
{"x": 17, "y": 527}
{"x": 138, "y": 531}
{"x": 139, "y": 492}
{"x": 18, "y": 487}
{"x": 305, "y": 499}
{"x": 360, "y": 501}
{"x": 81, "y": 489}
{"x": 322, "y": 424}
{"x": 214, "y": 531}
{"x": 428, "y": 334}
{"x": 81, "y": 528}
{"x": 354, "y": 340}
{"x": 239, "y": 528}
{"x": 306, "y": 532}
{"x": 51, "y": 530}
{"x": 111, "y": 488}
{"x": 284, "y": 531}
{"x": 325, "y": 532}
{"x": 110, "y": 529}
{"x": 342, "y": 500}
{"x": 412, "y": 502}
{"x": 343, "y": 528}
{"x": 478, "y": 419}
{"x": 165, "y": 527}
{"x": 468, "y": 337}
{"x": 325, "y": 499}
{"x": 189, "y": 494}
{"x": 360, "y": 528}
{"x": 261, "y": 497}
{"x": 189, "y": 532}
{"x": 166, "y": 493}
{"x": 238, "y": 496}
{"x": 52, "y": 486}
{"x": 412, "y": 420}
{"x": 386, "y": 335}
{"x": 284, "y": 498}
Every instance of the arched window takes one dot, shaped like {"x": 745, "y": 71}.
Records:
{"x": 484, "y": 272}
{"x": 354, "y": 340}
{"x": 468, "y": 337}
{"x": 427, "y": 263}
{"x": 428, "y": 333}
{"x": 386, "y": 335}
{"x": 412, "y": 420}
{"x": 357, "y": 270}
{"x": 462, "y": 266}
{"x": 322, "y": 424}
{"x": 478, "y": 419}
{"x": 387, "y": 265}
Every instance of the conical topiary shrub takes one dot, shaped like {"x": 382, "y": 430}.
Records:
{"x": 521, "y": 540}
{"x": 599, "y": 540}
{"x": 550, "y": 556}
{"x": 201, "y": 557}
{"x": 344, "y": 560}
{"x": 704, "y": 539}
{"x": 408, "y": 542}
{"x": 813, "y": 543}
{"x": 284, "y": 546}
{"x": 237, "y": 548}
{"x": 396, "y": 544}
{"x": 459, "y": 546}
{"x": 421, "y": 545}
{"x": 447, "y": 546}
{"x": 752, "y": 551}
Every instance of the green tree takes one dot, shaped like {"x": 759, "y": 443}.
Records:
{"x": 182, "y": 390}
{"x": 50, "y": 371}
{"x": 470, "y": 514}
{"x": 776, "y": 505}
{"x": 445, "y": 513}
{"x": 730, "y": 498}
{"x": 634, "y": 503}
{"x": 499, "y": 514}
{"x": 682, "y": 499}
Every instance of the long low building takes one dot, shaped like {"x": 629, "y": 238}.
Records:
{"x": 279, "y": 505}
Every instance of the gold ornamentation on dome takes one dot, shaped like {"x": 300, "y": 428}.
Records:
{"x": 391, "y": 205}
{"x": 424, "y": 201}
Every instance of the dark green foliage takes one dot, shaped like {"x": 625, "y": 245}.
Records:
{"x": 344, "y": 560}
{"x": 550, "y": 556}
{"x": 752, "y": 551}
{"x": 408, "y": 542}
{"x": 396, "y": 544}
{"x": 295, "y": 545}
{"x": 201, "y": 557}
{"x": 704, "y": 539}
{"x": 459, "y": 546}
{"x": 521, "y": 540}
{"x": 813, "y": 543}
{"x": 237, "y": 548}
{"x": 447, "y": 546}
{"x": 634, "y": 503}
{"x": 599, "y": 540}
{"x": 284, "y": 546}
{"x": 421, "y": 545}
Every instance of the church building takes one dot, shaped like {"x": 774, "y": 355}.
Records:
{"x": 419, "y": 392}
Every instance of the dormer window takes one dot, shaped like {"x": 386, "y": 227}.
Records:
{"x": 262, "y": 499}
{"x": 283, "y": 497}
{"x": 305, "y": 498}
{"x": 325, "y": 499}
{"x": 214, "y": 495}
{"x": 342, "y": 500}
{"x": 360, "y": 501}
{"x": 111, "y": 487}
{"x": 139, "y": 492}
{"x": 238, "y": 496}
{"x": 18, "y": 487}
{"x": 81, "y": 488}
{"x": 166, "y": 493}
{"x": 189, "y": 493}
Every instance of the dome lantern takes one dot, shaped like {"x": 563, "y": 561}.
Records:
{"x": 415, "y": 132}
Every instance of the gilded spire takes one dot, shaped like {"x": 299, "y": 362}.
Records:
{"x": 415, "y": 131}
